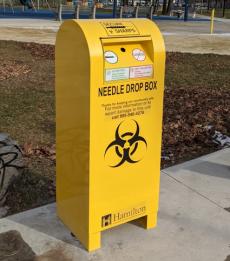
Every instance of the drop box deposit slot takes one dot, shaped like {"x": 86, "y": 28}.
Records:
{"x": 109, "y": 99}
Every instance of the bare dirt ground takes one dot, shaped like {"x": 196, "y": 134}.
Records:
{"x": 193, "y": 27}
{"x": 28, "y": 35}
{"x": 191, "y": 37}
{"x": 182, "y": 124}
{"x": 198, "y": 44}
{"x": 195, "y": 37}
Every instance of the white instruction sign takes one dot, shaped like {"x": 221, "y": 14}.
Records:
{"x": 116, "y": 74}
{"x": 119, "y": 28}
{"x": 141, "y": 71}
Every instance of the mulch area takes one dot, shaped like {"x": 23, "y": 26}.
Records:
{"x": 10, "y": 69}
{"x": 196, "y": 104}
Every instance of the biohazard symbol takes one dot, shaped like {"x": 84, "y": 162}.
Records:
{"x": 128, "y": 145}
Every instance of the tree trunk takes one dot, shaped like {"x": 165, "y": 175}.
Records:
{"x": 224, "y": 5}
{"x": 164, "y": 9}
{"x": 169, "y": 6}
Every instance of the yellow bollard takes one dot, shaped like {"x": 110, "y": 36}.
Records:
{"x": 212, "y": 21}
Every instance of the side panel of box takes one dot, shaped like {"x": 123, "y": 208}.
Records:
{"x": 72, "y": 110}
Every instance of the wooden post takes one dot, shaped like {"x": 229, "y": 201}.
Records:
{"x": 4, "y": 6}
{"x": 114, "y": 8}
{"x": 156, "y": 6}
{"x": 77, "y": 11}
{"x": 11, "y": 5}
{"x": 136, "y": 11}
{"x": 186, "y": 2}
{"x": 224, "y": 6}
{"x": 150, "y": 12}
{"x": 60, "y": 12}
{"x": 94, "y": 12}
{"x": 121, "y": 11}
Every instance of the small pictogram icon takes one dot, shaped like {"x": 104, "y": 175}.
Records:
{"x": 106, "y": 220}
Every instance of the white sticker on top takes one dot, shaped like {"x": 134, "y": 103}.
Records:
{"x": 117, "y": 74}
{"x": 111, "y": 57}
{"x": 138, "y": 54}
{"x": 141, "y": 71}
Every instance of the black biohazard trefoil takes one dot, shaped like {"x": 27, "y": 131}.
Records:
{"x": 126, "y": 145}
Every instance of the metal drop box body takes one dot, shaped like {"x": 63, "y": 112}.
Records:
{"x": 109, "y": 100}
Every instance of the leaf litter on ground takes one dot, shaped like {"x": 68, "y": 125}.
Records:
{"x": 197, "y": 95}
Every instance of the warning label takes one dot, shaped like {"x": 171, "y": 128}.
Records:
{"x": 127, "y": 109}
{"x": 120, "y": 28}
{"x": 128, "y": 73}
{"x": 141, "y": 71}
{"x": 116, "y": 74}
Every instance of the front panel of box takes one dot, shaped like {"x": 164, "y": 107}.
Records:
{"x": 125, "y": 133}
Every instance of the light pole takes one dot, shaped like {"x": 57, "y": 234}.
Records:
{"x": 224, "y": 5}
{"x": 186, "y": 10}
{"x": 114, "y": 8}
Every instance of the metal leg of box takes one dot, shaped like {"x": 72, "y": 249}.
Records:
{"x": 94, "y": 241}
{"x": 147, "y": 222}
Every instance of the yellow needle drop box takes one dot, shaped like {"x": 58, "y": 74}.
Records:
{"x": 109, "y": 99}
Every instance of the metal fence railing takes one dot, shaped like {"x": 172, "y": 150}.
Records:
{"x": 139, "y": 9}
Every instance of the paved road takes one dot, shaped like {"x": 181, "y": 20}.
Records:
{"x": 190, "y": 37}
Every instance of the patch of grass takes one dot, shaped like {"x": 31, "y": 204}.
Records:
{"x": 197, "y": 95}
{"x": 27, "y": 113}
{"x": 29, "y": 190}
{"x": 27, "y": 101}
{"x": 197, "y": 71}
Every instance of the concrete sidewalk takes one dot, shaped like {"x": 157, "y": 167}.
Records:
{"x": 193, "y": 224}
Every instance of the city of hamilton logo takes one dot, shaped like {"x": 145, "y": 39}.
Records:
{"x": 128, "y": 145}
